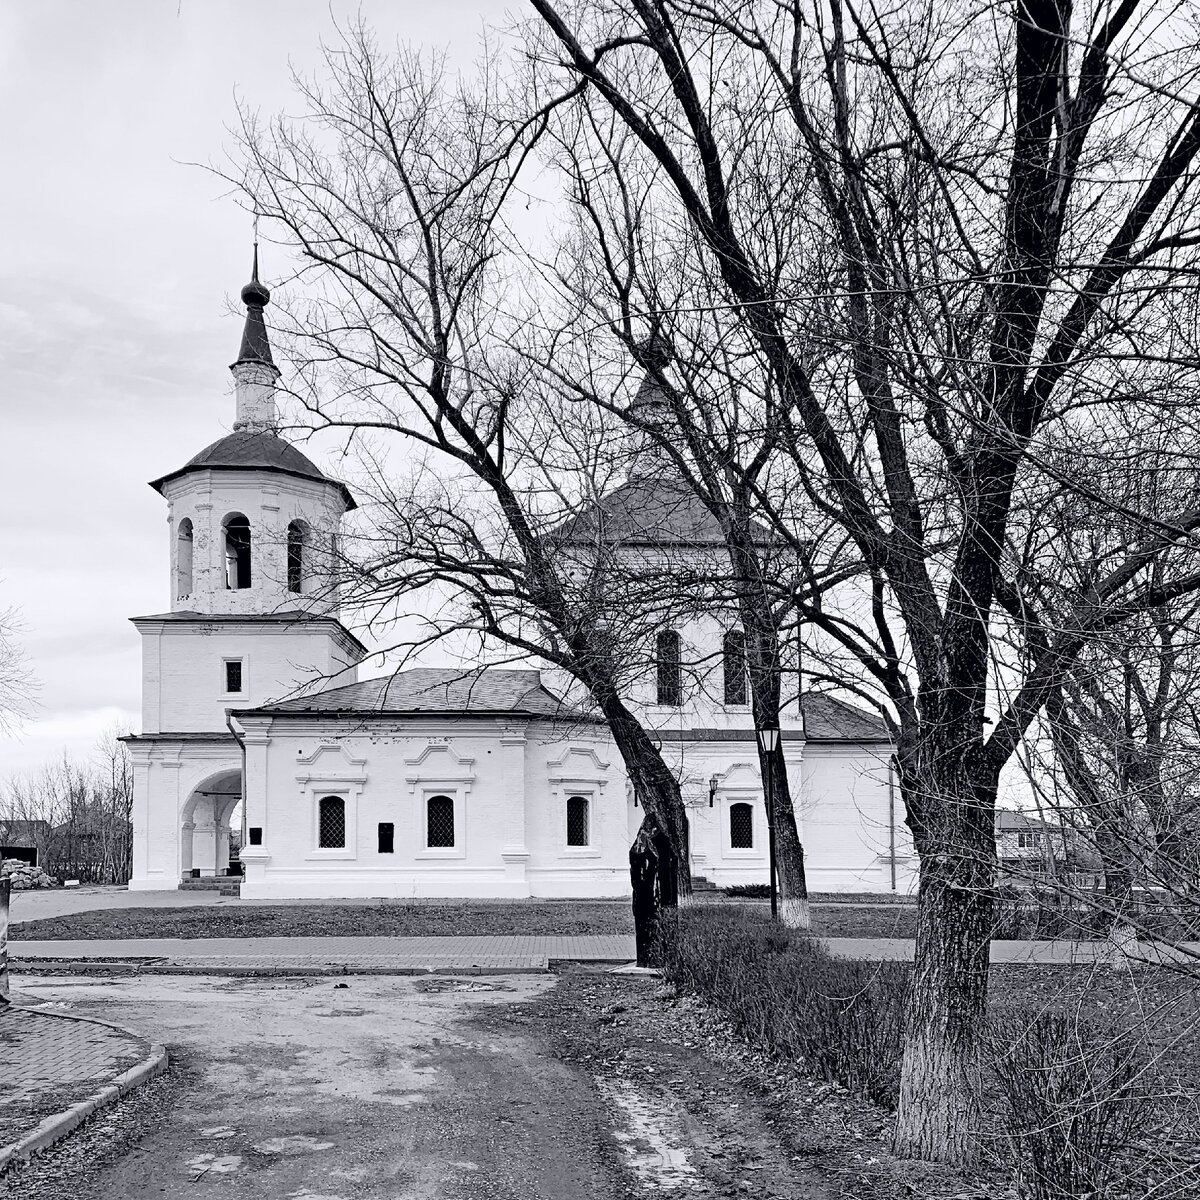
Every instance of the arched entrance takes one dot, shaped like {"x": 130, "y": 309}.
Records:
{"x": 205, "y": 832}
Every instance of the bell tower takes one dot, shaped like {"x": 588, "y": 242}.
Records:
{"x": 253, "y": 527}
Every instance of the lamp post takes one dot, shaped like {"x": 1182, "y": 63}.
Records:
{"x": 768, "y": 740}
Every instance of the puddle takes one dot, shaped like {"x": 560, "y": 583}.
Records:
{"x": 647, "y": 1139}
{"x": 294, "y": 1144}
{"x": 459, "y": 985}
{"x": 215, "y": 1164}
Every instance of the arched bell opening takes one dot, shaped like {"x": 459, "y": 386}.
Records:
{"x": 205, "y": 832}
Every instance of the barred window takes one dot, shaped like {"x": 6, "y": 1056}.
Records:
{"x": 735, "y": 667}
{"x": 331, "y": 813}
{"x": 577, "y": 821}
{"x": 668, "y": 661}
{"x": 439, "y": 822}
{"x": 741, "y": 826}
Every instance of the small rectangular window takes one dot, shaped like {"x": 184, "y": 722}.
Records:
{"x": 387, "y": 837}
{"x": 233, "y": 674}
{"x": 577, "y": 821}
{"x": 668, "y": 668}
{"x": 735, "y": 667}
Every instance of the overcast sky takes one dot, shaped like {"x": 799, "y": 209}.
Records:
{"x": 116, "y": 281}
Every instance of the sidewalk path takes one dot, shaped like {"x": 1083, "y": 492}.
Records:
{"x": 404, "y": 955}
{"x": 55, "y": 1070}
{"x": 399, "y": 954}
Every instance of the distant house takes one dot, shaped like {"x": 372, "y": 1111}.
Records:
{"x": 21, "y": 838}
{"x": 1028, "y": 846}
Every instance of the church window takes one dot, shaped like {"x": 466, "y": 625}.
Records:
{"x": 387, "y": 837}
{"x": 237, "y": 552}
{"x": 741, "y": 826}
{"x": 439, "y": 823}
{"x": 233, "y": 675}
{"x": 183, "y": 560}
{"x": 331, "y": 823}
{"x": 297, "y": 552}
{"x": 668, "y": 668}
{"x": 577, "y": 821}
{"x": 735, "y": 667}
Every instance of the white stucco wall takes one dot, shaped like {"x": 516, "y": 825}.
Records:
{"x": 183, "y": 673}
{"x": 509, "y": 781}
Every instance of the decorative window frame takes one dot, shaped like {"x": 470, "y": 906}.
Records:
{"x": 727, "y": 795}
{"x": 346, "y": 780}
{"x": 579, "y": 772}
{"x": 439, "y": 770}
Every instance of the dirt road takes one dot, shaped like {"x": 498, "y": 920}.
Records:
{"x": 381, "y": 1087}
{"x": 436, "y": 1088}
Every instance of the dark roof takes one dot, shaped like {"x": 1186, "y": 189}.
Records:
{"x": 827, "y": 719}
{"x": 254, "y": 450}
{"x": 644, "y": 512}
{"x": 289, "y": 616}
{"x": 433, "y": 690}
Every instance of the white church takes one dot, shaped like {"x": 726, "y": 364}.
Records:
{"x": 440, "y": 782}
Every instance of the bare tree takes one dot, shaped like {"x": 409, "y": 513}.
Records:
{"x": 1009, "y": 206}
{"x": 18, "y": 688}
{"x": 394, "y": 190}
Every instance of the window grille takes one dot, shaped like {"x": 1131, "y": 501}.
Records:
{"x": 735, "y": 667}
{"x": 439, "y": 824}
{"x": 668, "y": 659}
{"x": 332, "y": 823}
{"x": 577, "y": 821}
{"x": 233, "y": 674}
{"x": 741, "y": 826}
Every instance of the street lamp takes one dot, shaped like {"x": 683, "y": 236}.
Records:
{"x": 768, "y": 741}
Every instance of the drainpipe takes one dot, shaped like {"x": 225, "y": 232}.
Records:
{"x": 892, "y": 818}
{"x": 242, "y": 746}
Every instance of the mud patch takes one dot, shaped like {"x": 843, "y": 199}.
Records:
{"x": 649, "y": 1137}
{"x": 297, "y": 1143}
{"x": 443, "y": 984}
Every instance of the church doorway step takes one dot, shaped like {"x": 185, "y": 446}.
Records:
{"x": 207, "y": 840}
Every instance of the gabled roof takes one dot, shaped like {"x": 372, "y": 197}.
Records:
{"x": 644, "y": 512}
{"x": 489, "y": 691}
{"x": 255, "y": 450}
{"x": 827, "y": 719}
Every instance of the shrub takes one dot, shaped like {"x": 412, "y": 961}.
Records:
{"x": 1075, "y": 1099}
{"x": 782, "y": 991}
{"x": 748, "y": 891}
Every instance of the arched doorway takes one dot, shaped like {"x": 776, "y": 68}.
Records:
{"x": 204, "y": 832}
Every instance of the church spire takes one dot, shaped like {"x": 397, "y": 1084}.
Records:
{"x": 255, "y": 346}
{"x": 255, "y": 372}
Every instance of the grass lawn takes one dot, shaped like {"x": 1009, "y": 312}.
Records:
{"x": 461, "y": 918}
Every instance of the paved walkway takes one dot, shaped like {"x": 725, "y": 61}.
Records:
{"x": 56, "y": 1069}
{"x": 520, "y": 953}
{"x": 366, "y": 953}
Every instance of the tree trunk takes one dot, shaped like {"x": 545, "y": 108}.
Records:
{"x": 939, "y": 1115}
{"x": 652, "y": 873}
{"x": 793, "y": 887}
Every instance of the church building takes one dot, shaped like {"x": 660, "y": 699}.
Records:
{"x": 432, "y": 781}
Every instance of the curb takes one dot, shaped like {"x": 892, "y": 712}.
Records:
{"x": 57, "y": 1126}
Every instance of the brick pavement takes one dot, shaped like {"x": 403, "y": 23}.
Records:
{"x": 42, "y": 1050}
{"x": 520, "y": 952}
